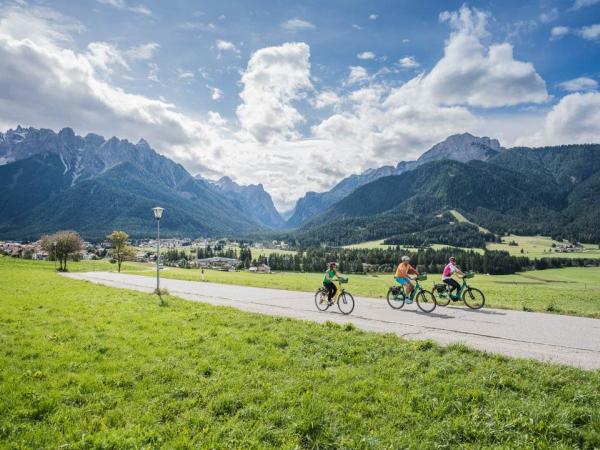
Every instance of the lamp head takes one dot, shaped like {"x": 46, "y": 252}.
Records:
{"x": 158, "y": 212}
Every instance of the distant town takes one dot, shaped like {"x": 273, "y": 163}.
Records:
{"x": 145, "y": 252}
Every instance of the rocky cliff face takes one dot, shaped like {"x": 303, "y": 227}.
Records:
{"x": 253, "y": 200}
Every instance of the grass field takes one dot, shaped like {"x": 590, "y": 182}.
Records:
{"x": 85, "y": 366}
{"x": 541, "y": 247}
{"x": 574, "y": 291}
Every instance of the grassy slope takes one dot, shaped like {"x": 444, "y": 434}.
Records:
{"x": 88, "y": 366}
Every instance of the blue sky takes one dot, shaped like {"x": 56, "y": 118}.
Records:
{"x": 298, "y": 95}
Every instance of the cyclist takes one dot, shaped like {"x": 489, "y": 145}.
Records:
{"x": 403, "y": 273}
{"x": 330, "y": 274}
{"x": 449, "y": 270}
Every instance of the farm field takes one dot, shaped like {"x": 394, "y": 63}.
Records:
{"x": 85, "y": 366}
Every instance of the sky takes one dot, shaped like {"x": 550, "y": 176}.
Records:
{"x": 298, "y": 95}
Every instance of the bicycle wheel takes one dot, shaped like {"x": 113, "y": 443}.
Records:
{"x": 321, "y": 299}
{"x": 396, "y": 301}
{"x": 426, "y": 301}
{"x": 441, "y": 300}
{"x": 473, "y": 298}
{"x": 346, "y": 303}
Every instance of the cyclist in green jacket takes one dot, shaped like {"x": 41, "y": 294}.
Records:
{"x": 330, "y": 274}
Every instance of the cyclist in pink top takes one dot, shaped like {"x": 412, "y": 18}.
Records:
{"x": 450, "y": 270}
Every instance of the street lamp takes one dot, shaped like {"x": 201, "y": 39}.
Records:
{"x": 158, "y": 212}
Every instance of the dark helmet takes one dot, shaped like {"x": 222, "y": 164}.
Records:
{"x": 332, "y": 264}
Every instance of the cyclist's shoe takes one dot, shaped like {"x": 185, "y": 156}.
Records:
{"x": 408, "y": 300}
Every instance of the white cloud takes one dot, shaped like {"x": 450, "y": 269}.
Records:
{"x": 408, "y": 62}
{"x": 274, "y": 78}
{"x": 142, "y": 52}
{"x": 122, "y": 4}
{"x": 373, "y": 17}
{"x": 471, "y": 73}
{"x": 153, "y": 72}
{"x": 591, "y": 32}
{"x": 559, "y": 32}
{"x": 226, "y": 46}
{"x": 358, "y": 74}
{"x": 185, "y": 75}
{"x": 104, "y": 57}
{"x": 584, "y": 3}
{"x": 141, "y": 9}
{"x": 357, "y": 27}
{"x": 216, "y": 93}
{"x": 366, "y": 55}
{"x": 579, "y": 84}
{"x": 549, "y": 16}
{"x": 325, "y": 99}
{"x": 297, "y": 25}
{"x": 574, "y": 120}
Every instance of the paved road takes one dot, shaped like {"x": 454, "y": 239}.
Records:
{"x": 547, "y": 337}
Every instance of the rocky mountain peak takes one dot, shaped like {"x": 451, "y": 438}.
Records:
{"x": 462, "y": 147}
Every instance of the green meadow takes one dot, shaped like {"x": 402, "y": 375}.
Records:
{"x": 573, "y": 291}
{"x": 86, "y": 366}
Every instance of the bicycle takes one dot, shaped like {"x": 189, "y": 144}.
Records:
{"x": 472, "y": 297}
{"x": 342, "y": 297}
{"x": 396, "y": 296}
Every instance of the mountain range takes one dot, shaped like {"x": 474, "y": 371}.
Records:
{"x": 549, "y": 191}
{"x": 51, "y": 181}
{"x": 460, "y": 147}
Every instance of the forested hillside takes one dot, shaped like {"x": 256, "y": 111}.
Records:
{"x": 551, "y": 191}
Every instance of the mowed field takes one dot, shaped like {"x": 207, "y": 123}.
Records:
{"x": 86, "y": 366}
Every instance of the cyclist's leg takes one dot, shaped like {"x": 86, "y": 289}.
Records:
{"x": 453, "y": 284}
{"x": 409, "y": 287}
{"x": 331, "y": 289}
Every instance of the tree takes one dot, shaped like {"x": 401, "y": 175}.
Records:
{"x": 62, "y": 244}
{"x": 121, "y": 250}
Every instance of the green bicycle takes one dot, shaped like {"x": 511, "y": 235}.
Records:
{"x": 396, "y": 296}
{"x": 343, "y": 298}
{"x": 472, "y": 297}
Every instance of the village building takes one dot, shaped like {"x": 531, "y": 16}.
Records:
{"x": 219, "y": 263}
{"x": 261, "y": 268}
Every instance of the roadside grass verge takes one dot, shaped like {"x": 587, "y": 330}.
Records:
{"x": 85, "y": 366}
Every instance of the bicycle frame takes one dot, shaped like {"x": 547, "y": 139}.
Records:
{"x": 416, "y": 289}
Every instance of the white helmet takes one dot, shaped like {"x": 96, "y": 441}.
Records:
{"x": 405, "y": 258}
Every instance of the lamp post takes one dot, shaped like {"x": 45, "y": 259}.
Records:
{"x": 158, "y": 212}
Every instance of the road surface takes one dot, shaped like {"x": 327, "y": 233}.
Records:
{"x": 546, "y": 337}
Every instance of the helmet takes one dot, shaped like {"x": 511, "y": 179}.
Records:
{"x": 452, "y": 259}
{"x": 332, "y": 264}
{"x": 405, "y": 258}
